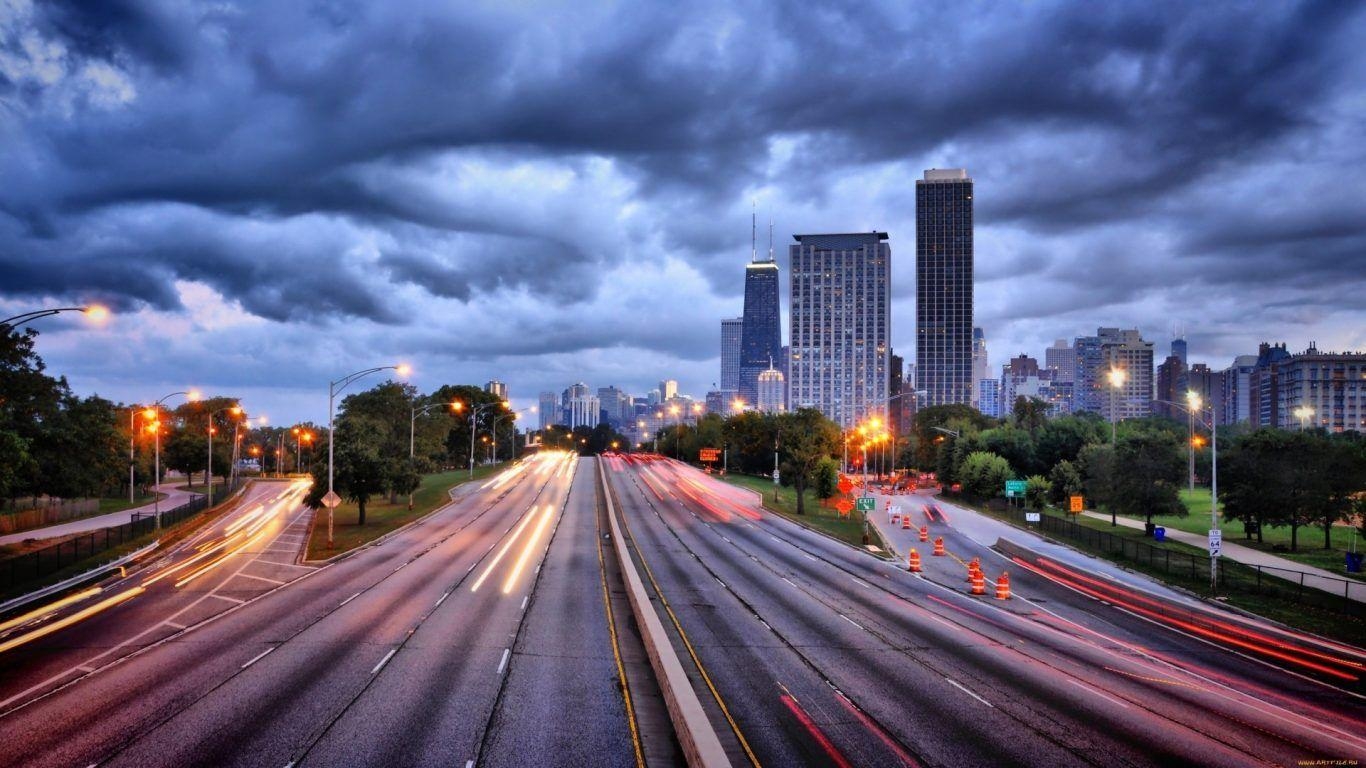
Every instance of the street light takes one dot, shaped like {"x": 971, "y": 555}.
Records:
{"x": 333, "y": 387}
{"x": 1191, "y": 407}
{"x": 514, "y": 416}
{"x": 1304, "y": 413}
{"x": 1117, "y": 377}
{"x": 474, "y": 416}
{"x": 412, "y": 434}
{"x": 154, "y": 412}
{"x": 95, "y": 313}
{"x": 235, "y": 410}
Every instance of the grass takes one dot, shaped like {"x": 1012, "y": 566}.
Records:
{"x": 108, "y": 506}
{"x": 847, "y": 529}
{"x": 381, "y": 517}
{"x": 1283, "y": 606}
{"x": 1274, "y": 540}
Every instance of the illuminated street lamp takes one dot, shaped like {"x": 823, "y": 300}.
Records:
{"x": 1117, "y": 377}
{"x": 154, "y": 412}
{"x": 333, "y": 387}
{"x": 412, "y": 433}
{"x": 474, "y": 417}
{"x": 1304, "y": 413}
{"x": 235, "y": 410}
{"x": 1192, "y": 405}
{"x": 95, "y": 313}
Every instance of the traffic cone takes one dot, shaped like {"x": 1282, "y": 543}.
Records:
{"x": 913, "y": 564}
{"x": 905, "y": 522}
{"x": 1003, "y": 586}
{"x": 979, "y": 583}
{"x": 939, "y": 546}
{"x": 924, "y": 533}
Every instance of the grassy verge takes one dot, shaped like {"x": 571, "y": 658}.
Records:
{"x": 1281, "y": 607}
{"x": 847, "y": 529}
{"x": 1274, "y": 540}
{"x": 108, "y": 506}
{"x": 381, "y": 517}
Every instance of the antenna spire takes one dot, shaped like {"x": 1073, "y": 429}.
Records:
{"x": 770, "y": 239}
{"x": 753, "y": 231}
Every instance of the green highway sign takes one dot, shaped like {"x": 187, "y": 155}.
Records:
{"x": 1015, "y": 488}
{"x": 865, "y": 503}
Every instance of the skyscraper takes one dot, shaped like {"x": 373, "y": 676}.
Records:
{"x": 981, "y": 364}
{"x": 943, "y": 286}
{"x": 497, "y": 389}
{"x": 1061, "y": 360}
{"x": 1127, "y": 351}
{"x": 761, "y": 337}
{"x": 668, "y": 389}
{"x": 841, "y": 325}
{"x": 732, "y": 330}
{"x": 548, "y": 409}
{"x": 771, "y": 391}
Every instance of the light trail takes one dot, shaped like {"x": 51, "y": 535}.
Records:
{"x": 528, "y": 549}
{"x": 49, "y": 608}
{"x": 72, "y": 619}
{"x": 503, "y": 551}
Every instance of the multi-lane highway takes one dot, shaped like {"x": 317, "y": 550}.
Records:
{"x": 452, "y": 641}
{"x": 497, "y": 631}
{"x": 813, "y": 653}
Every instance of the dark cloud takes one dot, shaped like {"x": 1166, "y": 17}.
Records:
{"x": 327, "y": 162}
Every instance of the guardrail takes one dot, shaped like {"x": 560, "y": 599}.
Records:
{"x": 78, "y": 579}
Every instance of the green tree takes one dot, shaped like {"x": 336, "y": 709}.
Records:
{"x": 959, "y": 418}
{"x": 1037, "y": 491}
{"x": 826, "y": 478}
{"x": 984, "y": 475}
{"x": 1096, "y": 463}
{"x": 359, "y": 472}
{"x": 1150, "y": 468}
{"x": 1029, "y": 414}
{"x": 1256, "y": 476}
{"x": 805, "y": 437}
{"x": 1065, "y": 481}
{"x": 1063, "y": 438}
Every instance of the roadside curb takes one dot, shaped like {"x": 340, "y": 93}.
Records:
{"x": 701, "y": 746}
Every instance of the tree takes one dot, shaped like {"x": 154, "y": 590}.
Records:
{"x": 1063, "y": 438}
{"x": 1037, "y": 491}
{"x": 959, "y": 418}
{"x": 1150, "y": 467}
{"x": 1096, "y": 462}
{"x": 457, "y": 438}
{"x": 826, "y": 478}
{"x": 1015, "y": 446}
{"x": 805, "y": 437}
{"x": 984, "y": 475}
{"x": 359, "y": 473}
{"x": 1030, "y": 414}
{"x": 1256, "y": 475}
{"x": 1064, "y": 481}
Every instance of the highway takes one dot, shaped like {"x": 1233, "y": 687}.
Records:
{"x": 431, "y": 647}
{"x": 813, "y": 653}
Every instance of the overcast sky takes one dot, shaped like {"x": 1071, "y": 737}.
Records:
{"x": 273, "y": 195}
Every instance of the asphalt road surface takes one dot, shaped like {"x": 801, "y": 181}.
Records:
{"x": 813, "y": 653}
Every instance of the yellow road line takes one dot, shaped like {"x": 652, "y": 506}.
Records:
{"x": 616, "y": 654}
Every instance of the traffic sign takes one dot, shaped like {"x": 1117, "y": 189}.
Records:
{"x": 709, "y": 454}
{"x": 1015, "y": 488}
{"x": 1031, "y": 517}
{"x": 331, "y": 500}
{"x": 1216, "y": 540}
{"x": 866, "y": 503}
{"x": 1075, "y": 504}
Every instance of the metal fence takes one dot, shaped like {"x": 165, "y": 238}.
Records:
{"x": 1331, "y": 594}
{"x": 39, "y": 563}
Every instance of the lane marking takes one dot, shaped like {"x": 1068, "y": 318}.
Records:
{"x": 851, "y": 621}
{"x": 525, "y": 600}
{"x": 257, "y": 657}
{"x": 861, "y": 582}
{"x": 811, "y": 557}
{"x": 441, "y": 599}
{"x": 507, "y": 653}
{"x": 790, "y": 581}
{"x": 261, "y": 578}
{"x": 964, "y": 689}
{"x": 384, "y": 661}
{"x": 349, "y": 599}
{"x": 229, "y": 599}
{"x": 1093, "y": 691}
{"x": 173, "y": 625}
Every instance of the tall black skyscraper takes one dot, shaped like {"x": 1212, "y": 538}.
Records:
{"x": 761, "y": 338}
{"x": 943, "y": 286}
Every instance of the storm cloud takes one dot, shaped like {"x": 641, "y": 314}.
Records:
{"x": 541, "y": 192}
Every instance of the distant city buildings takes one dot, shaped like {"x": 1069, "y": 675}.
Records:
{"x": 761, "y": 339}
{"x": 497, "y": 388}
{"x": 840, "y": 325}
{"x": 548, "y": 409}
{"x": 772, "y": 391}
{"x": 1309, "y": 390}
{"x": 981, "y": 364}
{"x": 1061, "y": 361}
{"x": 732, "y": 331}
{"x": 1127, "y": 352}
{"x": 989, "y": 398}
{"x": 944, "y": 286}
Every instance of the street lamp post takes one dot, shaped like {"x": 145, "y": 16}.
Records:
{"x": 333, "y": 387}
{"x": 474, "y": 417}
{"x": 412, "y": 435}
{"x": 1304, "y": 413}
{"x": 1191, "y": 407}
{"x": 191, "y": 395}
{"x": 1117, "y": 377}
{"x": 93, "y": 312}
{"x": 235, "y": 410}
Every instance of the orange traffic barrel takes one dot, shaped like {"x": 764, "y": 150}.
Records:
{"x": 979, "y": 583}
{"x": 939, "y": 546}
{"x": 913, "y": 564}
{"x": 924, "y": 533}
{"x": 905, "y": 522}
{"x": 1003, "y": 587}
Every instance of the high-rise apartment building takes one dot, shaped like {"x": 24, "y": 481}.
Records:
{"x": 1171, "y": 375}
{"x": 615, "y": 405}
{"x": 1209, "y": 385}
{"x": 1237, "y": 384}
{"x": 731, "y": 335}
{"x": 772, "y": 391}
{"x": 1061, "y": 361}
{"x": 981, "y": 364}
{"x": 582, "y": 411}
{"x": 989, "y": 398}
{"x": 1319, "y": 390}
{"x": 548, "y": 409}
{"x": 761, "y": 338}
{"x": 943, "y": 286}
{"x": 497, "y": 389}
{"x": 1088, "y": 378}
{"x": 668, "y": 390}
{"x": 1127, "y": 351}
{"x": 841, "y": 325}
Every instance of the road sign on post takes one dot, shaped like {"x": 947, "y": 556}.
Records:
{"x": 866, "y": 504}
{"x": 1075, "y": 504}
{"x": 1216, "y": 541}
{"x": 331, "y": 500}
{"x": 1015, "y": 488}
{"x": 709, "y": 454}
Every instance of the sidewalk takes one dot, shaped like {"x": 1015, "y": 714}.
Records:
{"x": 173, "y": 499}
{"x": 1317, "y": 578}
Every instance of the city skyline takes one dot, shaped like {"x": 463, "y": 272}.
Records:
{"x": 615, "y": 257}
